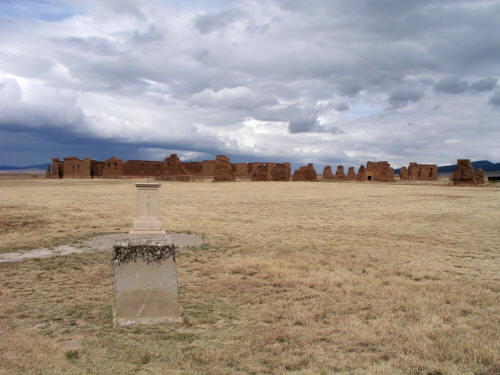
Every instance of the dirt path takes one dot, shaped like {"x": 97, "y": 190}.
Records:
{"x": 100, "y": 243}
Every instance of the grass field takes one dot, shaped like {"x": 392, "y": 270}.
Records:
{"x": 296, "y": 278}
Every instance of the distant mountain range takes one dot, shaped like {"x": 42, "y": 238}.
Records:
{"x": 25, "y": 168}
{"x": 486, "y": 165}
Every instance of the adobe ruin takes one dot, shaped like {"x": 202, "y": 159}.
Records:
{"x": 465, "y": 175}
{"x": 72, "y": 167}
{"x": 240, "y": 170}
{"x": 259, "y": 172}
{"x": 223, "y": 169}
{"x": 305, "y": 173}
{"x": 170, "y": 169}
{"x": 269, "y": 171}
{"x": 327, "y": 173}
{"x": 351, "y": 175}
{"x": 403, "y": 173}
{"x": 361, "y": 176}
{"x": 281, "y": 172}
{"x": 380, "y": 171}
{"x": 340, "y": 172}
{"x": 419, "y": 172}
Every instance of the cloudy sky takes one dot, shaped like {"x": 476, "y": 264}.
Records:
{"x": 328, "y": 82}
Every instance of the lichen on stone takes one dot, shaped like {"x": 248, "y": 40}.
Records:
{"x": 147, "y": 249}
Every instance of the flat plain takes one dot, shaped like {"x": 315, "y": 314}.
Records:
{"x": 294, "y": 278}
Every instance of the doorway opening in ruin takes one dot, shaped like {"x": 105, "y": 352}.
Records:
{"x": 369, "y": 178}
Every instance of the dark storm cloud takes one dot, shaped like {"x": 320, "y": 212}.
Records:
{"x": 486, "y": 84}
{"x": 404, "y": 95}
{"x": 452, "y": 85}
{"x": 455, "y": 85}
{"x": 341, "y": 107}
{"x": 211, "y": 22}
{"x": 495, "y": 99}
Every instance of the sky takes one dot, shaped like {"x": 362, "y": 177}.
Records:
{"x": 323, "y": 82}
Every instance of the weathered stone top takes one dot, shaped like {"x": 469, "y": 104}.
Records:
{"x": 148, "y": 249}
{"x": 148, "y": 185}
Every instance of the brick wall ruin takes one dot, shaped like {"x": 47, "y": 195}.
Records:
{"x": 465, "y": 175}
{"x": 72, "y": 167}
{"x": 327, "y": 173}
{"x": 339, "y": 174}
{"x": 305, "y": 173}
{"x": 361, "y": 176}
{"x": 269, "y": 171}
{"x": 240, "y": 170}
{"x": 172, "y": 168}
{"x": 221, "y": 169}
{"x": 351, "y": 175}
{"x": 281, "y": 172}
{"x": 376, "y": 171}
{"x": 419, "y": 172}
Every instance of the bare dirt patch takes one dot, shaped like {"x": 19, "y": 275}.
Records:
{"x": 99, "y": 243}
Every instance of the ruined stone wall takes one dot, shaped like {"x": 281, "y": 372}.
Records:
{"x": 208, "y": 168}
{"x": 327, "y": 173}
{"x": 465, "y": 175}
{"x": 57, "y": 169}
{"x": 269, "y": 171}
{"x": 113, "y": 168}
{"x": 361, "y": 176}
{"x": 84, "y": 168}
{"x": 479, "y": 176}
{"x": 240, "y": 170}
{"x": 340, "y": 172}
{"x": 172, "y": 169}
{"x": 270, "y": 167}
{"x": 71, "y": 167}
{"x": 419, "y": 172}
{"x": 96, "y": 168}
{"x": 172, "y": 166}
{"x": 379, "y": 171}
{"x": 305, "y": 173}
{"x": 281, "y": 172}
{"x": 223, "y": 169}
{"x": 351, "y": 175}
{"x": 252, "y": 167}
{"x": 194, "y": 168}
{"x": 260, "y": 172}
{"x": 403, "y": 173}
{"x": 141, "y": 168}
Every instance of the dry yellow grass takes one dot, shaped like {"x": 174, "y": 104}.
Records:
{"x": 302, "y": 278}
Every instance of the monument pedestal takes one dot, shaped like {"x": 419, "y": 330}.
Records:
{"x": 148, "y": 211}
{"x": 145, "y": 282}
{"x": 144, "y": 273}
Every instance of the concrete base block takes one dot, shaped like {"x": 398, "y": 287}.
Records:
{"x": 145, "y": 282}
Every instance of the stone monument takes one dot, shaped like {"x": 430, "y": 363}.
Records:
{"x": 148, "y": 214}
{"x": 144, "y": 272}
